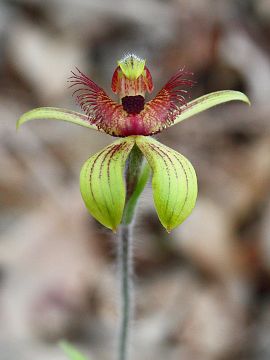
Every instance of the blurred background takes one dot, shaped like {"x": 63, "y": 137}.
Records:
{"x": 202, "y": 292}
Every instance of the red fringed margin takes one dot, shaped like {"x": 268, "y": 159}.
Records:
{"x": 109, "y": 116}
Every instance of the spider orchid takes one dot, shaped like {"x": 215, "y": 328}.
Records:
{"x": 134, "y": 121}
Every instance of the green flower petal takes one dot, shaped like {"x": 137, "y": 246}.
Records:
{"x": 71, "y": 351}
{"x": 174, "y": 182}
{"x": 102, "y": 182}
{"x": 51, "y": 113}
{"x": 207, "y": 101}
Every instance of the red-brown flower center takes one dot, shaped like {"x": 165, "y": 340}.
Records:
{"x": 133, "y": 104}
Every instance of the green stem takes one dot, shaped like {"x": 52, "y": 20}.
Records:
{"x": 126, "y": 272}
{"x": 133, "y": 199}
{"x": 136, "y": 176}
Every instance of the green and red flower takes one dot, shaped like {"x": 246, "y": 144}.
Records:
{"x": 132, "y": 116}
{"x": 135, "y": 120}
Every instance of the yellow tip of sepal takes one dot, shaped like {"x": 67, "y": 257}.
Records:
{"x": 132, "y": 66}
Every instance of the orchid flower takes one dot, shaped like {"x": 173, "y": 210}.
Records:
{"x": 135, "y": 121}
{"x": 112, "y": 180}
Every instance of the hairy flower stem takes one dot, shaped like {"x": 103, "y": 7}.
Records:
{"x": 136, "y": 177}
{"x": 126, "y": 272}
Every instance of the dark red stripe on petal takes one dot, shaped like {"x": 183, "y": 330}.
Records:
{"x": 91, "y": 175}
{"x": 155, "y": 149}
{"x": 163, "y": 154}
